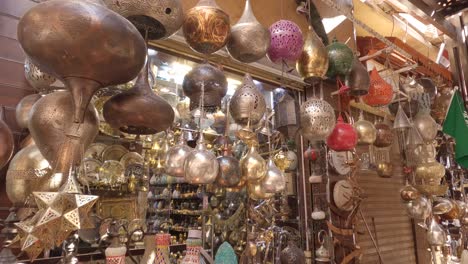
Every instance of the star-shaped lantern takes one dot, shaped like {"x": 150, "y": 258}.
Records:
{"x": 60, "y": 213}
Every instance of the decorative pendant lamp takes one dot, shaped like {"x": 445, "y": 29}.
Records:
{"x": 384, "y": 135}
{"x": 161, "y": 18}
{"x": 380, "y": 92}
{"x": 365, "y": 130}
{"x": 214, "y": 81}
{"x": 176, "y": 156}
{"x": 201, "y": 165}
{"x": 317, "y": 119}
{"x": 206, "y": 27}
{"x": 139, "y": 110}
{"x": 253, "y": 166}
{"x": 312, "y": 65}
{"x": 24, "y": 107}
{"x": 343, "y": 136}
{"x": 60, "y": 140}
{"x": 7, "y": 142}
{"x": 436, "y": 235}
{"x": 410, "y": 108}
{"x": 249, "y": 40}
{"x": 38, "y": 79}
{"x": 286, "y": 42}
{"x": 426, "y": 125}
{"x": 428, "y": 176}
{"x": 90, "y": 47}
{"x": 401, "y": 121}
{"x": 274, "y": 180}
{"x": 257, "y": 190}
{"x": 409, "y": 193}
{"x": 340, "y": 59}
{"x": 358, "y": 79}
{"x": 247, "y": 103}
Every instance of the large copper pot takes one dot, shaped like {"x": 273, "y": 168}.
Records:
{"x": 7, "y": 143}
{"x": 313, "y": 62}
{"x": 340, "y": 58}
{"x": 358, "y": 79}
{"x": 60, "y": 140}
{"x": 38, "y": 79}
{"x": 84, "y": 44}
{"x": 29, "y": 171}
{"x": 214, "y": 81}
{"x": 249, "y": 40}
{"x": 247, "y": 103}
{"x": 206, "y": 27}
{"x": 139, "y": 110}
{"x": 161, "y": 18}
{"x": 24, "y": 107}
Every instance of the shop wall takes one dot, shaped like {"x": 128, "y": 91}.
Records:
{"x": 13, "y": 85}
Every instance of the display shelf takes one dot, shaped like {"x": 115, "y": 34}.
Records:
{"x": 177, "y": 212}
{"x": 194, "y": 197}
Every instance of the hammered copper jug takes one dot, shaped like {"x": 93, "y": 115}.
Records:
{"x": 84, "y": 44}
{"x": 249, "y": 40}
{"x": 162, "y": 18}
{"x": 139, "y": 110}
{"x": 214, "y": 81}
{"x": 206, "y": 27}
{"x": 7, "y": 143}
{"x": 23, "y": 108}
{"x": 358, "y": 79}
{"x": 60, "y": 140}
{"x": 312, "y": 65}
{"x": 247, "y": 103}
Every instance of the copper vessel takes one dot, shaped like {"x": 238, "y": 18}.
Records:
{"x": 89, "y": 47}
{"x": 162, "y": 18}
{"x": 206, "y": 27}
{"x": 358, "y": 79}
{"x": 313, "y": 62}
{"x": 139, "y": 110}
{"x": 7, "y": 142}
{"x": 247, "y": 103}
{"x": 214, "y": 81}
{"x": 24, "y": 107}
{"x": 38, "y": 79}
{"x": 249, "y": 40}
{"x": 60, "y": 140}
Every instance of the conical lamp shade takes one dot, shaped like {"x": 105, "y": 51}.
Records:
{"x": 414, "y": 137}
{"x": 401, "y": 119}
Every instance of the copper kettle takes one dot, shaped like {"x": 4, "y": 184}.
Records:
{"x": 89, "y": 47}
{"x": 139, "y": 110}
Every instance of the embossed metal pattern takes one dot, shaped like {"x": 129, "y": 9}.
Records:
{"x": 162, "y": 18}
{"x": 206, "y": 27}
{"x": 38, "y": 79}
{"x": 23, "y": 108}
{"x": 317, "y": 119}
{"x": 286, "y": 42}
{"x": 247, "y": 102}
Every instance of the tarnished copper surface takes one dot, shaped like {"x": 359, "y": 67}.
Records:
{"x": 206, "y": 27}
{"x": 139, "y": 110}
{"x": 161, "y": 18}
{"x": 24, "y": 107}
{"x": 384, "y": 135}
{"x": 84, "y": 44}
{"x": 60, "y": 140}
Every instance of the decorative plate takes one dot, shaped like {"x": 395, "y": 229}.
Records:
{"x": 131, "y": 158}
{"x": 95, "y": 151}
{"x": 136, "y": 169}
{"x": 338, "y": 162}
{"x": 89, "y": 171}
{"x": 113, "y": 152}
{"x": 111, "y": 173}
{"x": 342, "y": 195}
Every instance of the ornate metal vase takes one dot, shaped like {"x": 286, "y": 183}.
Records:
{"x": 249, "y": 40}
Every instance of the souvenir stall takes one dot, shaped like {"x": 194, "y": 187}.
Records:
{"x": 178, "y": 132}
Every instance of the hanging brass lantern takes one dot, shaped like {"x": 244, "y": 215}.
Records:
{"x": 340, "y": 59}
{"x": 384, "y": 135}
{"x": 214, "y": 81}
{"x": 60, "y": 140}
{"x": 162, "y": 18}
{"x": 201, "y": 165}
{"x": 139, "y": 110}
{"x": 23, "y": 108}
{"x": 358, "y": 79}
{"x": 249, "y": 40}
{"x": 229, "y": 170}
{"x": 89, "y": 47}
{"x": 38, "y": 79}
{"x": 436, "y": 235}
{"x": 7, "y": 142}
{"x": 365, "y": 130}
{"x": 426, "y": 126}
{"x": 312, "y": 65}
{"x": 253, "y": 166}
{"x": 247, "y": 103}
{"x": 206, "y": 27}
{"x": 317, "y": 119}
{"x": 274, "y": 181}
{"x": 428, "y": 176}
{"x": 176, "y": 156}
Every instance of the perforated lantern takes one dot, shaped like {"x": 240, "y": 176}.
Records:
{"x": 286, "y": 42}
{"x": 380, "y": 92}
{"x": 340, "y": 59}
{"x": 247, "y": 103}
{"x": 317, "y": 119}
{"x": 343, "y": 136}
